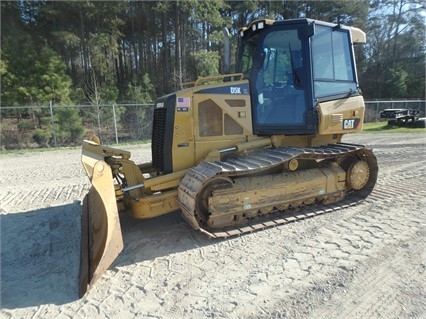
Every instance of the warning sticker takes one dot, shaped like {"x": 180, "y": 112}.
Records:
{"x": 183, "y": 104}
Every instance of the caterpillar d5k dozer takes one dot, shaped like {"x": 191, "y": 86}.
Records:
{"x": 243, "y": 151}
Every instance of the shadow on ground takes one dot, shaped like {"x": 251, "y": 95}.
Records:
{"x": 40, "y": 253}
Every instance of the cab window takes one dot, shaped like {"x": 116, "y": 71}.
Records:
{"x": 333, "y": 68}
{"x": 247, "y": 56}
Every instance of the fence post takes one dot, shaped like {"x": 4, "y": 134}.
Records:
{"x": 115, "y": 123}
{"x": 98, "y": 113}
{"x": 376, "y": 116}
{"x": 53, "y": 123}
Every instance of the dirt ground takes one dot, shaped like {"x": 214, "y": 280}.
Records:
{"x": 366, "y": 261}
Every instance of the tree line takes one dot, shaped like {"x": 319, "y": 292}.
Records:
{"x": 98, "y": 52}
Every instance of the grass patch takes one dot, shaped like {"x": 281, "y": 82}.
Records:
{"x": 383, "y": 127}
{"x": 24, "y": 150}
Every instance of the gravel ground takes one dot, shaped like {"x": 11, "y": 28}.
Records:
{"x": 366, "y": 261}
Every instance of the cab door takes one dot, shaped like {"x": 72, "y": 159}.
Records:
{"x": 281, "y": 85}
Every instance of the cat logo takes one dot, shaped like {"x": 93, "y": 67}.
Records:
{"x": 350, "y": 124}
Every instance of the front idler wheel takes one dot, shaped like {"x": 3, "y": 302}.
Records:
{"x": 358, "y": 175}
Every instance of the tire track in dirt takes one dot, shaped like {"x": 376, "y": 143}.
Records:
{"x": 33, "y": 180}
{"x": 380, "y": 293}
{"x": 23, "y": 200}
{"x": 377, "y": 289}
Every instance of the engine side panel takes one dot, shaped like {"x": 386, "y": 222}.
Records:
{"x": 341, "y": 116}
{"x": 222, "y": 117}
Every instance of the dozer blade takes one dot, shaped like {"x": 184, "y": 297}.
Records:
{"x": 101, "y": 238}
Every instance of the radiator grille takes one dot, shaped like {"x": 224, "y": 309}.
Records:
{"x": 158, "y": 138}
{"x": 162, "y": 133}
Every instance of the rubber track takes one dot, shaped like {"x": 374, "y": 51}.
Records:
{"x": 260, "y": 160}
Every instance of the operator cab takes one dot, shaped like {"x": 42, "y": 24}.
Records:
{"x": 291, "y": 66}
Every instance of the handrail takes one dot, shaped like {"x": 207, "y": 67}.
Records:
{"x": 218, "y": 78}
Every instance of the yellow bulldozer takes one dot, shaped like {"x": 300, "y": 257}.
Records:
{"x": 243, "y": 151}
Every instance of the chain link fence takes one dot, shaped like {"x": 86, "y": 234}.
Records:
{"x": 373, "y": 108}
{"x": 53, "y": 126}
